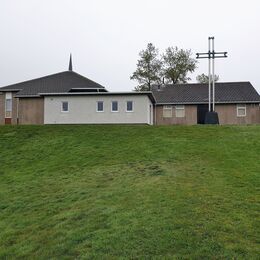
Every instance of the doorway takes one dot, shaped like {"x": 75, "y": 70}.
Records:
{"x": 201, "y": 113}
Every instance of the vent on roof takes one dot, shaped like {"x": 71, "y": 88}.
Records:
{"x": 161, "y": 86}
{"x": 88, "y": 90}
{"x": 83, "y": 90}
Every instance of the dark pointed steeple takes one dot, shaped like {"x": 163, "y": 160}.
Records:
{"x": 70, "y": 63}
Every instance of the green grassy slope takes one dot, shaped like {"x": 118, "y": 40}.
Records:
{"x": 129, "y": 192}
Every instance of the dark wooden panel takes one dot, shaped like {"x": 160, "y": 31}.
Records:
{"x": 8, "y": 121}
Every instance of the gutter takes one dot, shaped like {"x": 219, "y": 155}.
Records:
{"x": 26, "y": 96}
{"x": 200, "y": 103}
{"x": 148, "y": 93}
{"x": 9, "y": 90}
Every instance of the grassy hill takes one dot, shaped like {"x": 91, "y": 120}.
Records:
{"x": 129, "y": 192}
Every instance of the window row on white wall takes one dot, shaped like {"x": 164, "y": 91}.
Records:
{"x": 129, "y": 106}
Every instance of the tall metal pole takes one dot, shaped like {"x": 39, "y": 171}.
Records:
{"x": 213, "y": 75}
{"x": 209, "y": 78}
{"x": 211, "y": 117}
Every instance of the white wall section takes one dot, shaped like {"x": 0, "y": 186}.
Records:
{"x": 83, "y": 110}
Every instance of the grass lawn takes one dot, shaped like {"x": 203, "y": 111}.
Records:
{"x": 107, "y": 192}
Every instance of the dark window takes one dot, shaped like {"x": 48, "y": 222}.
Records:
{"x": 129, "y": 106}
{"x": 100, "y": 106}
{"x": 65, "y": 106}
{"x": 114, "y": 106}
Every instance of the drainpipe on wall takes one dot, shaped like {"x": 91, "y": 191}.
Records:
{"x": 155, "y": 118}
{"x": 17, "y": 111}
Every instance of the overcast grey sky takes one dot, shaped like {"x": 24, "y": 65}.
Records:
{"x": 105, "y": 37}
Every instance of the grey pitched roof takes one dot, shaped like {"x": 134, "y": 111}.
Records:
{"x": 196, "y": 93}
{"x": 59, "y": 82}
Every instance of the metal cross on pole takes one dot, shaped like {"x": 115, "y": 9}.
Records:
{"x": 211, "y": 55}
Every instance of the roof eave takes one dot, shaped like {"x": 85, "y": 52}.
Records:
{"x": 206, "y": 102}
{"x": 26, "y": 96}
{"x": 148, "y": 93}
{"x": 9, "y": 90}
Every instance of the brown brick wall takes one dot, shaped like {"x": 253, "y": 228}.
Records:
{"x": 189, "y": 119}
{"x": 31, "y": 111}
{"x": 228, "y": 114}
{"x": 2, "y": 109}
{"x": 14, "y": 110}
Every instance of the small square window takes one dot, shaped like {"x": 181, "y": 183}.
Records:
{"x": 114, "y": 106}
{"x": 180, "y": 111}
{"x": 241, "y": 110}
{"x": 100, "y": 106}
{"x": 167, "y": 111}
{"x": 129, "y": 106}
{"x": 64, "y": 106}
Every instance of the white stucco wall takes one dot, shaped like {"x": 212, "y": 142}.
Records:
{"x": 82, "y": 110}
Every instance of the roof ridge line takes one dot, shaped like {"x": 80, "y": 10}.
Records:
{"x": 25, "y": 81}
{"x": 197, "y": 83}
{"x": 86, "y": 78}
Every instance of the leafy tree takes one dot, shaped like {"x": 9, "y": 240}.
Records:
{"x": 202, "y": 78}
{"x": 177, "y": 63}
{"x": 148, "y": 68}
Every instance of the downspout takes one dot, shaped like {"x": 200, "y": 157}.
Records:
{"x": 155, "y": 118}
{"x": 17, "y": 111}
